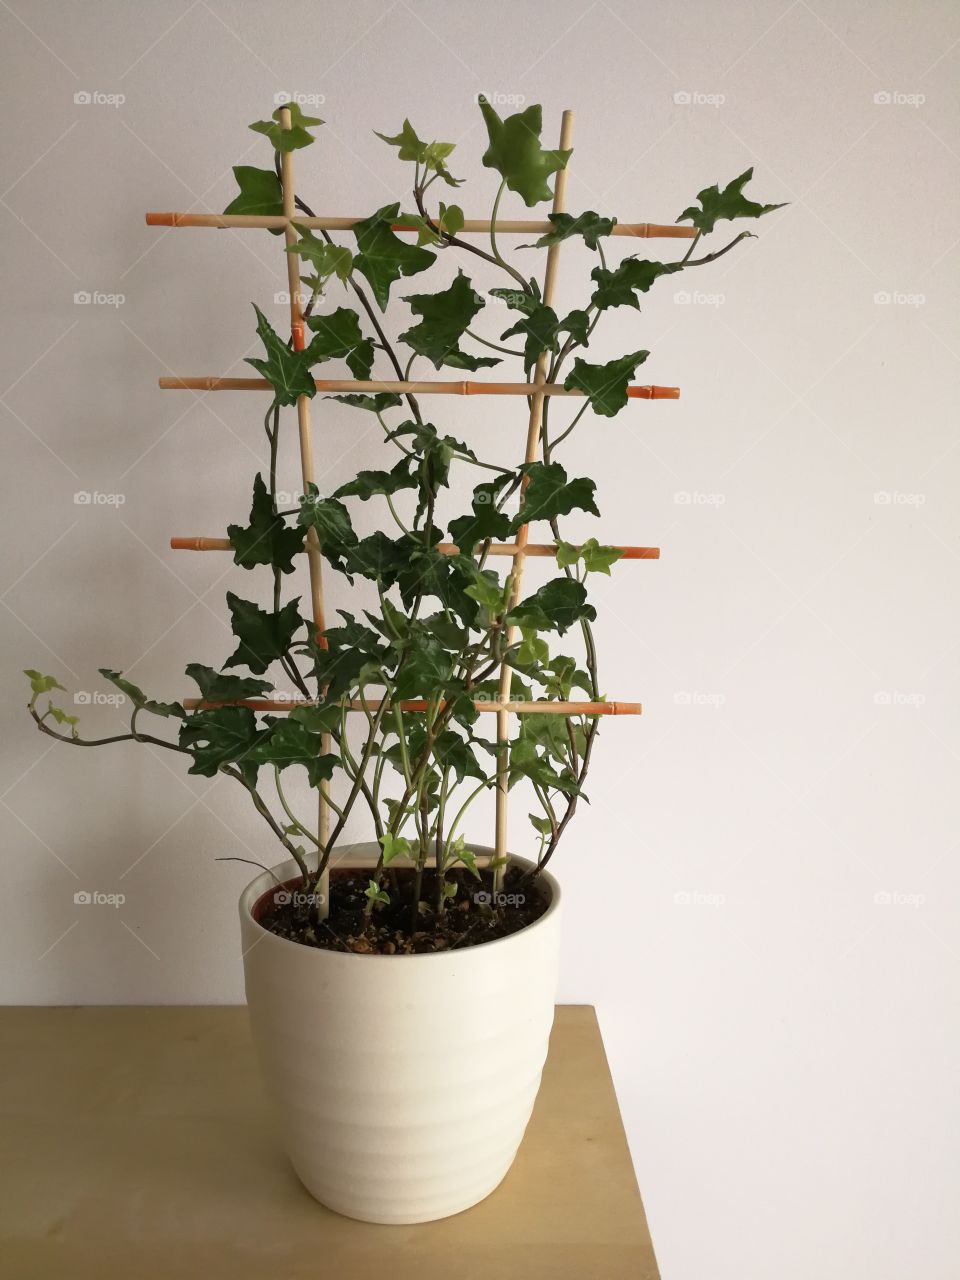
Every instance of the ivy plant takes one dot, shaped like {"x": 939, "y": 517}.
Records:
{"x": 444, "y": 623}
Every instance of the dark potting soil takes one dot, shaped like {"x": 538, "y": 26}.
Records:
{"x": 467, "y": 920}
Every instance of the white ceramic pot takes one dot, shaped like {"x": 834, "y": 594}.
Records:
{"x": 403, "y": 1084}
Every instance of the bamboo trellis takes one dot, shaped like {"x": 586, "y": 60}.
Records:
{"x": 503, "y": 706}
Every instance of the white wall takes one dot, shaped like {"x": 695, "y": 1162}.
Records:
{"x": 762, "y": 897}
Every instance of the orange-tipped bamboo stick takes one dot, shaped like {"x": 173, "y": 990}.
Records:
{"x": 471, "y": 226}
{"x": 314, "y": 557}
{"x": 520, "y": 708}
{"x": 530, "y": 455}
{"x": 438, "y": 388}
{"x": 444, "y": 548}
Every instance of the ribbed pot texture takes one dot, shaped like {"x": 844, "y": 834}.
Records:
{"x": 402, "y": 1084}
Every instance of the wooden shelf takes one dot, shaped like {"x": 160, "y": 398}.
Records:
{"x": 139, "y": 1143}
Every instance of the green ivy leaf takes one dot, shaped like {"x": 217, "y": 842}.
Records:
{"x": 338, "y": 337}
{"x": 41, "y": 683}
{"x": 451, "y": 219}
{"x": 519, "y": 299}
{"x": 562, "y": 677}
{"x": 557, "y": 605}
{"x": 516, "y": 154}
{"x": 619, "y": 288}
{"x": 376, "y": 557}
{"x": 263, "y": 636}
{"x": 376, "y": 894}
{"x": 549, "y": 493}
{"x": 527, "y": 760}
{"x": 446, "y": 317}
{"x": 383, "y": 256}
{"x": 288, "y": 139}
{"x": 532, "y": 651}
{"x": 425, "y": 668}
{"x": 605, "y": 384}
{"x": 216, "y": 687}
{"x": 486, "y": 521}
{"x": 260, "y": 193}
{"x": 138, "y": 697}
{"x": 366, "y": 483}
{"x": 730, "y": 203}
{"x": 61, "y": 717}
{"x": 540, "y": 824}
{"x": 540, "y": 327}
{"x": 590, "y": 225}
{"x": 373, "y": 404}
{"x": 287, "y": 371}
{"x": 328, "y": 259}
{"x": 596, "y": 558}
{"x": 287, "y": 741}
{"x": 467, "y": 856}
{"x": 395, "y": 847}
{"x": 219, "y": 736}
{"x": 267, "y": 539}
{"x": 431, "y": 155}
{"x": 331, "y": 519}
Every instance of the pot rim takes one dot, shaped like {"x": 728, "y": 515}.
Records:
{"x": 283, "y": 871}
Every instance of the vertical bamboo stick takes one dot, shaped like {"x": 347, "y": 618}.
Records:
{"x": 533, "y": 448}
{"x": 306, "y": 464}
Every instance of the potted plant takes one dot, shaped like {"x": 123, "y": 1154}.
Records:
{"x": 402, "y": 991}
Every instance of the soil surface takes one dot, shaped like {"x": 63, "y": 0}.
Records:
{"x": 470, "y": 918}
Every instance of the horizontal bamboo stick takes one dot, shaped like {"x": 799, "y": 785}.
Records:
{"x": 346, "y": 386}
{"x": 445, "y": 548}
{"x": 521, "y": 708}
{"x": 471, "y": 226}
